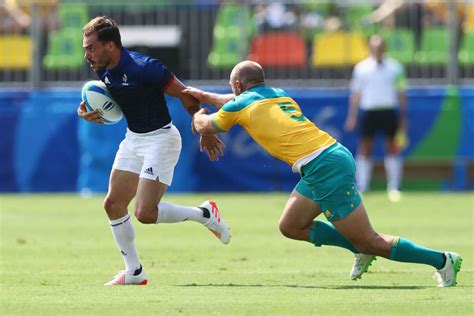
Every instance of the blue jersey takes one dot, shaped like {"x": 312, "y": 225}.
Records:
{"x": 137, "y": 84}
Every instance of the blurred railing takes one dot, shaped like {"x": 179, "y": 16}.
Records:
{"x": 304, "y": 43}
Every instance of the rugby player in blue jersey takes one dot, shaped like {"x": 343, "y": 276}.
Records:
{"x": 275, "y": 121}
{"x": 145, "y": 161}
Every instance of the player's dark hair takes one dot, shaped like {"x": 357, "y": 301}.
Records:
{"x": 106, "y": 29}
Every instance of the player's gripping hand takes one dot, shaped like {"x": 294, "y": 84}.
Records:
{"x": 92, "y": 116}
{"x": 198, "y": 94}
{"x": 213, "y": 145}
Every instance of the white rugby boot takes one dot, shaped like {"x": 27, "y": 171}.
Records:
{"x": 361, "y": 265}
{"x": 394, "y": 196}
{"x": 124, "y": 278}
{"x": 215, "y": 224}
{"x": 446, "y": 277}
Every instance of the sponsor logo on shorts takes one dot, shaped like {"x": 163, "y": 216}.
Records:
{"x": 149, "y": 171}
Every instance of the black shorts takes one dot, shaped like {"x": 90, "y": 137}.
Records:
{"x": 375, "y": 121}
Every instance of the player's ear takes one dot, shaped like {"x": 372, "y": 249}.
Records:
{"x": 110, "y": 45}
{"x": 239, "y": 85}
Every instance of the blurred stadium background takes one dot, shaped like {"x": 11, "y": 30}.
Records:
{"x": 306, "y": 47}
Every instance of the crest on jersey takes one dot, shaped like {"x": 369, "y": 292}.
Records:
{"x": 124, "y": 80}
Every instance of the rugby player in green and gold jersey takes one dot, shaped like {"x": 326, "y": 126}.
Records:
{"x": 275, "y": 121}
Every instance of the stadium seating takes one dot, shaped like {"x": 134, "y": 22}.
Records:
{"x": 279, "y": 49}
{"x": 469, "y": 22}
{"x": 399, "y": 44}
{"x": 466, "y": 51}
{"x": 65, "y": 50}
{"x": 15, "y": 52}
{"x": 65, "y": 45}
{"x": 73, "y": 15}
{"x": 233, "y": 29}
{"x": 339, "y": 49}
{"x": 434, "y": 48}
{"x": 313, "y": 15}
{"x": 356, "y": 15}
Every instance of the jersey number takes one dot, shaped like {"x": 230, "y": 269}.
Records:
{"x": 289, "y": 108}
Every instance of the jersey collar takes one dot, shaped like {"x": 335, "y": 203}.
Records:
{"x": 124, "y": 58}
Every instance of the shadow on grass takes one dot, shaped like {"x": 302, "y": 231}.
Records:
{"x": 330, "y": 287}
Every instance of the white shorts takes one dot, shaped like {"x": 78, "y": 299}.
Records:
{"x": 151, "y": 155}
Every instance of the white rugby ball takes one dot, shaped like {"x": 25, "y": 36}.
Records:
{"x": 97, "y": 97}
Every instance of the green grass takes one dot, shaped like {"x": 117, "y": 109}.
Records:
{"x": 57, "y": 251}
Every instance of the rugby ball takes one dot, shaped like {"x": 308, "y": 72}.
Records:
{"x": 97, "y": 97}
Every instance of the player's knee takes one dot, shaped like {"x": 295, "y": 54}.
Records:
{"x": 146, "y": 215}
{"x": 287, "y": 230}
{"x": 114, "y": 208}
{"x": 110, "y": 205}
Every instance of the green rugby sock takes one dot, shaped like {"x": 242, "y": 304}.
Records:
{"x": 405, "y": 250}
{"x": 322, "y": 233}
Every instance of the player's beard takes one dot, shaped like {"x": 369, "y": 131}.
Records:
{"x": 102, "y": 63}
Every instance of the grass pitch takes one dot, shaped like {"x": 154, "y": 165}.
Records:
{"x": 57, "y": 251}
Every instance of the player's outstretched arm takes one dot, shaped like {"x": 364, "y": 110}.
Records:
{"x": 209, "y": 143}
{"x": 204, "y": 97}
{"x": 203, "y": 123}
{"x": 175, "y": 89}
{"x": 92, "y": 116}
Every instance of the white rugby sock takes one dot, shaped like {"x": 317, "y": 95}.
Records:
{"x": 172, "y": 213}
{"x": 394, "y": 169}
{"x": 124, "y": 234}
{"x": 364, "y": 172}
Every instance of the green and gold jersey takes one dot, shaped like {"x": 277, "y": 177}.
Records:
{"x": 275, "y": 122}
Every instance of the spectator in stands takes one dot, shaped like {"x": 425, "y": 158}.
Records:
{"x": 313, "y": 15}
{"x": 399, "y": 14}
{"x": 378, "y": 88}
{"x": 274, "y": 17}
{"x": 415, "y": 15}
{"x": 437, "y": 15}
{"x": 439, "y": 11}
{"x": 317, "y": 17}
{"x": 12, "y": 18}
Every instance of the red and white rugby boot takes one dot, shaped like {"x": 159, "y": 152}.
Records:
{"x": 124, "y": 278}
{"x": 215, "y": 224}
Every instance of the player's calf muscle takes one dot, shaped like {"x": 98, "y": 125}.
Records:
{"x": 374, "y": 245}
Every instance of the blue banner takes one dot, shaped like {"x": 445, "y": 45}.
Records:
{"x": 45, "y": 147}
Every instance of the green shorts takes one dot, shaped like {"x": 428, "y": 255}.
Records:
{"x": 329, "y": 181}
